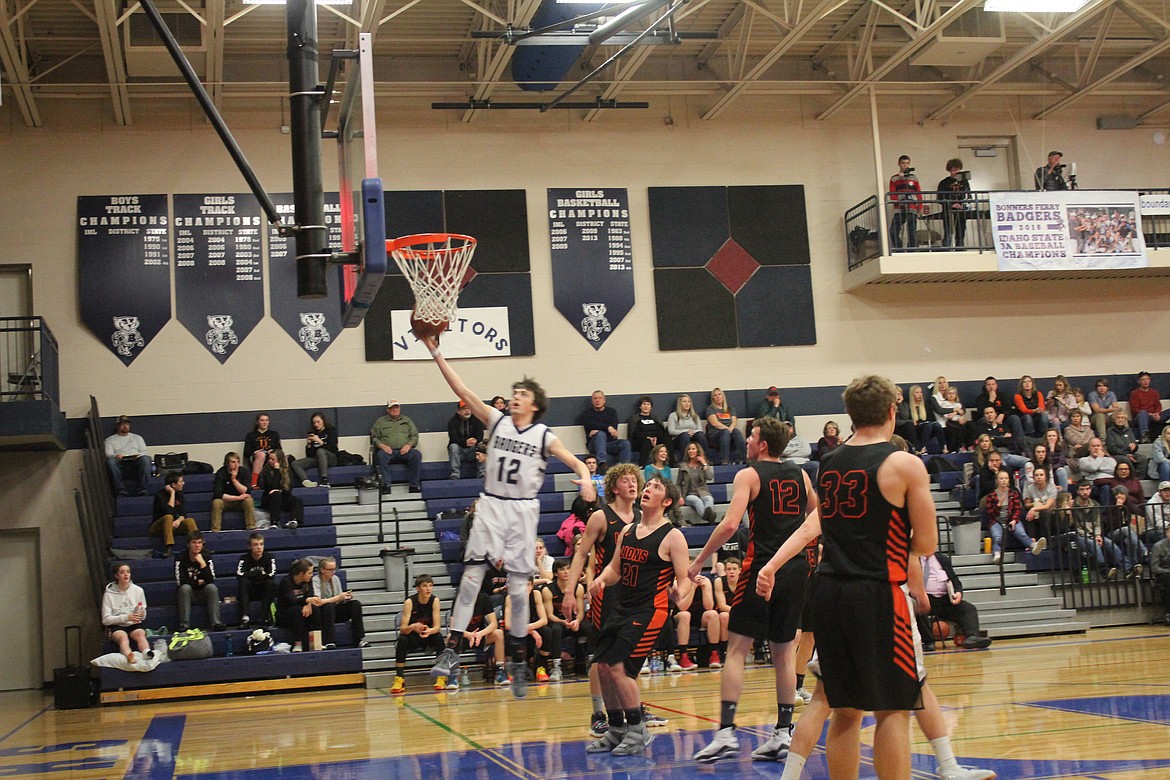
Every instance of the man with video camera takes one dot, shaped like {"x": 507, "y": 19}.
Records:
{"x": 1051, "y": 176}
{"x": 906, "y": 199}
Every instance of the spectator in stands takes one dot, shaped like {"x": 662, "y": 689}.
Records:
{"x": 195, "y": 575}
{"x": 543, "y": 563}
{"x": 1126, "y": 525}
{"x": 1004, "y": 409}
{"x": 1083, "y": 404}
{"x": 1157, "y": 513}
{"x": 1003, "y": 507}
{"x": 684, "y": 424}
{"x": 693, "y": 476}
{"x": 1077, "y": 435}
{"x": 928, "y": 434}
{"x": 395, "y": 440}
{"x": 464, "y": 435}
{"x": 798, "y": 450}
{"x": 829, "y": 441}
{"x": 601, "y": 432}
{"x": 1098, "y": 467}
{"x": 127, "y": 457}
{"x": 1159, "y": 467}
{"x": 1029, "y": 405}
{"x": 903, "y": 422}
{"x": 168, "y": 519}
{"x": 1041, "y": 457}
{"x": 945, "y": 591}
{"x": 320, "y": 451}
{"x": 951, "y": 415}
{"x": 260, "y": 441}
{"x": 1160, "y": 569}
{"x": 419, "y": 625}
{"x": 256, "y": 580}
{"x": 123, "y": 612}
{"x": 230, "y": 492}
{"x": 590, "y": 462}
{"x": 337, "y": 605}
{"x": 699, "y": 621}
{"x": 1121, "y": 443}
{"x": 1051, "y": 175}
{"x": 905, "y": 198}
{"x": 644, "y": 431}
{"x": 500, "y": 403}
{"x": 1060, "y": 401}
{"x": 297, "y": 609}
{"x": 1100, "y": 549}
{"x": 276, "y": 491}
{"x": 724, "y": 587}
{"x": 483, "y": 630}
{"x": 1125, "y": 477}
{"x": 1039, "y": 502}
{"x": 659, "y": 463}
{"x": 735, "y": 547}
{"x": 726, "y": 440}
{"x": 988, "y": 463}
{"x": 1001, "y": 439}
{"x": 1102, "y": 403}
{"x": 772, "y": 406}
{"x": 1145, "y": 406}
{"x": 559, "y": 635}
{"x": 1057, "y": 459}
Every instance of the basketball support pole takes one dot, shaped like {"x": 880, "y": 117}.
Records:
{"x": 309, "y": 230}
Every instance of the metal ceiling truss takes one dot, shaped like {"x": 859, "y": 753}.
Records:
{"x": 13, "y": 54}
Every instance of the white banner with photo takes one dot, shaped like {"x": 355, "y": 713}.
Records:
{"x": 478, "y": 332}
{"x": 1067, "y": 231}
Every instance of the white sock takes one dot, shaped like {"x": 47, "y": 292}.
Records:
{"x": 793, "y": 766}
{"x": 944, "y": 753}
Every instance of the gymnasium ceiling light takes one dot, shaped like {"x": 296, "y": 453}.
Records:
{"x": 1035, "y": 6}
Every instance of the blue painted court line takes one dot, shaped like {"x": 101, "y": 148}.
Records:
{"x": 1153, "y": 709}
{"x": 155, "y": 759}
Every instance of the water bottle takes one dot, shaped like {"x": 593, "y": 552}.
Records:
{"x": 228, "y": 646}
{"x": 1084, "y": 575}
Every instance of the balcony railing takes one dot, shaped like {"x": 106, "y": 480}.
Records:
{"x": 28, "y": 360}
{"x": 941, "y": 223}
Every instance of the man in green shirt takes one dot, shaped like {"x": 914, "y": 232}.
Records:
{"x": 395, "y": 438}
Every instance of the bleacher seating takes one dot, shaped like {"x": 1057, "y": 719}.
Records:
{"x": 240, "y": 673}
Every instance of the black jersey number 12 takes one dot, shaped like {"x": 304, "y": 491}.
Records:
{"x": 513, "y": 468}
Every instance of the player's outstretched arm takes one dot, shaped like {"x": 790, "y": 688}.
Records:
{"x": 584, "y": 481}
{"x": 482, "y": 411}
{"x": 746, "y": 486}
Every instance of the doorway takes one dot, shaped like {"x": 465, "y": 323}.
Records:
{"x": 20, "y": 582}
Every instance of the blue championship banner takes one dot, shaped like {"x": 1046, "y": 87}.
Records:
{"x": 124, "y": 269}
{"x": 1067, "y": 230}
{"x": 592, "y": 260}
{"x": 314, "y": 324}
{"x": 219, "y": 283}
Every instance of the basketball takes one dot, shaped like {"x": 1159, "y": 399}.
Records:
{"x": 423, "y": 329}
{"x": 942, "y": 629}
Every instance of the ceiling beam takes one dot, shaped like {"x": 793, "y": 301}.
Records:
{"x": 799, "y": 30}
{"x": 625, "y": 70}
{"x": 107, "y": 17}
{"x": 1117, "y": 72}
{"x": 903, "y": 54}
{"x": 213, "y": 69}
{"x": 1098, "y": 45}
{"x": 722, "y": 34}
{"x": 1022, "y": 56}
{"x": 14, "y": 63}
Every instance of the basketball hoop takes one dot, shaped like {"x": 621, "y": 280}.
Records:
{"x": 434, "y": 264}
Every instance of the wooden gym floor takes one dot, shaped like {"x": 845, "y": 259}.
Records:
{"x": 1095, "y": 707}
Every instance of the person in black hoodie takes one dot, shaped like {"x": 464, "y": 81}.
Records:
{"x": 320, "y": 451}
{"x": 464, "y": 435}
{"x": 256, "y": 576}
{"x": 276, "y": 491}
{"x": 195, "y": 574}
{"x": 297, "y": 609}
{"x": 644, "y": 431}
{"x": 168, "y": 519}
{"x": 258, "y": 443}
{"x": 230, "y": 491}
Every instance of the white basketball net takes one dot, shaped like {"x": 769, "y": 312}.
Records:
{"x": 434, "y": 264}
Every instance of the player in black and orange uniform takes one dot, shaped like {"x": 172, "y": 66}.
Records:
{"x": 651, "y": 554}
{"x": 623, "y": 483}
{"x": 418, "y": 631}
{"x": 777, "y": 496}
{"x": 876, "y": 512}
{"x": 560, "y": 633}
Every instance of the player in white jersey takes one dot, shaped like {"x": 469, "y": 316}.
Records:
{"x": 507, "y": 512}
